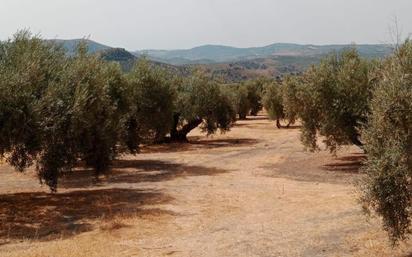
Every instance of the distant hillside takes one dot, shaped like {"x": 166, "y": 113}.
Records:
{"x": 128, "y": 60}
{"x": 111, "y": 54}
{"x": 71, "y": 45}
{"x": 120, "y": 55}
{"x": 228, "y": 63}
{"x": 219, "y": 54}
{"x": 276, "y": 66}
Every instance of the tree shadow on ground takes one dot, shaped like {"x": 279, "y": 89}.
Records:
{"x": 43, "y": 216}
{"x": 292, "y": 127}
{"x": 230, "y": 142}
{"x": 195, "y": 143}
{"x": 137, "y": 171}
{"x": 347, "y": 164}
{"x": 320, "y": 167}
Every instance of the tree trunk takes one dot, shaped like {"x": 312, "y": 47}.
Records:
{"x": 181, "y": 135}
{"x": 355, "y": 140}
{"x": 278, "y": 123}
{"x": 173, "y": 131}
{"x": 242, "y": 116}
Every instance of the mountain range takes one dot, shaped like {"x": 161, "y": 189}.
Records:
{"x": 230, "y": 63}
{"x": 219, "y": 54}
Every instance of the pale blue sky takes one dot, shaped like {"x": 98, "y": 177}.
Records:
{"x": 169, "y": 24}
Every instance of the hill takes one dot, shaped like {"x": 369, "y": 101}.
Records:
{"x": 275, "y": 66}
{"x": 128, "y": 60}
{"x": 221, "y": 54}
{"x": 228, "y": 63}
{"x": 71, "y": 45}
{"x": 119, "y": 55}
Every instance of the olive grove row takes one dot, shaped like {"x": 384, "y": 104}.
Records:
{"x": 57, "y": 111}
{"x": 368, "y": 103}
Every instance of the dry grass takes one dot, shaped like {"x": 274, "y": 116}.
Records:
{"x": 250, "y": 192}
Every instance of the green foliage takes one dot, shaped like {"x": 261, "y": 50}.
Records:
{"x": 291, "y": 103}
{"x": 152, "y": 101}
{"x": 280, "y": 100}
{"x": 246, "y": 97}
{"x": 243, "y": 104}
{"x": 28, "y": 67}
{"x": 201, "y": 102}
{"x": 56, "y": 110}
{"x": 254, "y": 95}
{"x": 388, "y": 144}
{"x": 96, "y": 114}
{"x": 273, "y": 101}
{"x": 334, "y": 100}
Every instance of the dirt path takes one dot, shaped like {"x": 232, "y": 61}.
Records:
{"x": 250, "y": 192}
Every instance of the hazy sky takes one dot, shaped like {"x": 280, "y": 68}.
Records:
{"x": 168, "y": 24}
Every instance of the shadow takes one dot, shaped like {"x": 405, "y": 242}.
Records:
{"x": 319, "y": 168}
{"x": 284, "y": 127}
{"x": 137, "y": 171}
{"x": 241, "y": 125}
{"x": 258, "y": 117}
{"x": 233, "y": 142}
{"x": 42, "y": 216}
{"x": 292, "y": 127}
{"x": 196, "y": 143}
{"x": 346, "y": 164}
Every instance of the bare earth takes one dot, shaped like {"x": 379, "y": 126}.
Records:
{"x": 251, "y": 192}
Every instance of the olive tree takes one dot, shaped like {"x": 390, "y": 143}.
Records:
{"x": 273, "y": 102}
{"x": 242, "y": 101}
{"x": 237, "y": 96}
{"x": 56, "y": 110}
{"x": 335, "y": 100}
{"x": 280, "y": 99}
{"x": 291, "y": 104}
{"x": 28, "y": 67}
{"x": 96, "y": 112}
{"x": 84, "y": 116}
{"x": 153, "y": 96}
{"x": 254, "y": 95}
{"x": 200, "y": 102}
{"x": 387, "y": 188}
